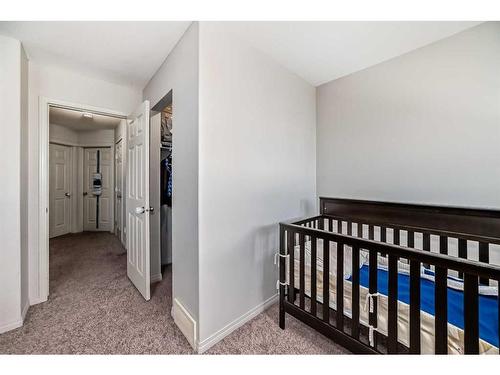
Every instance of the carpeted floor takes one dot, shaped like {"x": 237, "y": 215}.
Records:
{"x": 94, "y": 309}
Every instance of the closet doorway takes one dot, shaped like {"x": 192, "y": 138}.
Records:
{"x": 161, "y": 180}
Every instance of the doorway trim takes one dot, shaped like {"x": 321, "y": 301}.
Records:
{"x": 44, "y": 105}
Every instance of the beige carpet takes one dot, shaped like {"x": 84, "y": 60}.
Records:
{"x": 94, "y": 309}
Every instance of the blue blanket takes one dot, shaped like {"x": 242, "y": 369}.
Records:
{"x": 488, "y": 305}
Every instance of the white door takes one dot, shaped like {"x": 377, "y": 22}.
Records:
{"x": 59, "y": 190}
{"x": 118, "y": 189}
{"x": 137, "y": 202}
{"x": 97, "y": 208}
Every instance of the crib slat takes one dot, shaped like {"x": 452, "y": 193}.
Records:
{"x": 426, "y": 242}
{"x": 371, "y": 231}
{"x": 355, "y": 292}
{"x": 330, "y": 224}
{"x": 462, "y": 248}
{"x": 313, "y": 275}
{"x": 340, "y": 286}
{"x": 411, "y": 239}
{"x": 462, "y": 252}
{"x": 383, "y": 234}
{"x": 302, "y": 273}
{"x": 373, "y": 255}
{"x": 441, "y": 310}
{"x": 414, "y": 307}
{"x": 471, "y": 314}
{"x": 484, "y": 256}
{"x": 326, "y": 280}
{"x": 426, "y": 245}
{"x": 392, "y": 324}
{"x": 291, "y": 271}
{"x": 360, "y": 230}
{"x": 349, "y": 228}
{"x": 396, "y": 235}
{"x": 484, "y": 252}
{"x": 443, "y": 245}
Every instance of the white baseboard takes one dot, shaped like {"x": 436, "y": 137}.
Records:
{"x": 25, "y": 310}
{"x": 235, "y": 324}
{"x": 185, "y": 322}
{"x": 10, "y": 326}
{"x": 156, "y": 278}
{"x": 37, "y": 300}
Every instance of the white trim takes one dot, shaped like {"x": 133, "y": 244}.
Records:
{"x": 43, "y": 183}
{"x": 25, "y": 310}
{"x": 10, "y": 326}
{"x": 206, "y": 344}
{"x": 36, "y": 301}
{"x": 185, "y": 322}
{"x": 156, "y": 278}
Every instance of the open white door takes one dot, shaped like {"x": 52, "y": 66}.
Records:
{"x": 137, "y": 202}
{"x": 60, "y": 190}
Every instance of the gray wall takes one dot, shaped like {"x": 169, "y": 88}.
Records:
{"x": 179, "y": 73}
{"x": 257, "y": 157}
{"x": 423, "y": 127}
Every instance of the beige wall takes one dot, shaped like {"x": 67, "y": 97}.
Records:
{"x": 423, "y": 127}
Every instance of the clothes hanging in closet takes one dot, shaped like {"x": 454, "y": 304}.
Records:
{"x": 166, "y": 181}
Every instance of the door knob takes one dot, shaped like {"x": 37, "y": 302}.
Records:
{"x": 67, "y": 194}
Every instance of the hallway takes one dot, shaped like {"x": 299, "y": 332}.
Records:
{"x": 94, "y": 309}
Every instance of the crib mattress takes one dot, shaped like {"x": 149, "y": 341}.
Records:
{"x": 455, "y": 331}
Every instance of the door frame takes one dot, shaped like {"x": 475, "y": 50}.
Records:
{"x": 122, "y": 141}
{"x": 44, "y": 105}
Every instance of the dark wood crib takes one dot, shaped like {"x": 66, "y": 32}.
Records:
{"x": 364, "y": 228}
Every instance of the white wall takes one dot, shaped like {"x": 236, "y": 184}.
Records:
{"x": 179, "y": 73}
{"x": 24, "y": 185}
{"x": 257, "y": 157}
{"x": 63, "y": 134}
{"x": 87, "y": 138}
{"x": 12, "y": 165}
{"x": 68, "y": 86}
{"x": 423, "y": 127}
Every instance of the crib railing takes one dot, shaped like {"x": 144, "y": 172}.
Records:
{"x": 347, "y": 330}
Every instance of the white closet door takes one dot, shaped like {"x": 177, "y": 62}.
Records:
{"x": 59, "y": 190}
{"x": 138, "y": 250}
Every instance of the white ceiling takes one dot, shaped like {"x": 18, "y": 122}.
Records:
{"x": 74, "y": 120}
{"x": 131, "y": 52}
{"x": 122, "y": 52}
{"x": 322, "y": 51}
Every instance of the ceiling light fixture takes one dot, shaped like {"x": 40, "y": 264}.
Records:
{"x": 88, "y": 115}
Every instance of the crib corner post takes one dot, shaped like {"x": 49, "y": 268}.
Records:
{"x": 282, "y": 278}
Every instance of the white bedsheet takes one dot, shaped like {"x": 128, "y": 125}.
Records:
{"x": 455, "y": 334}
